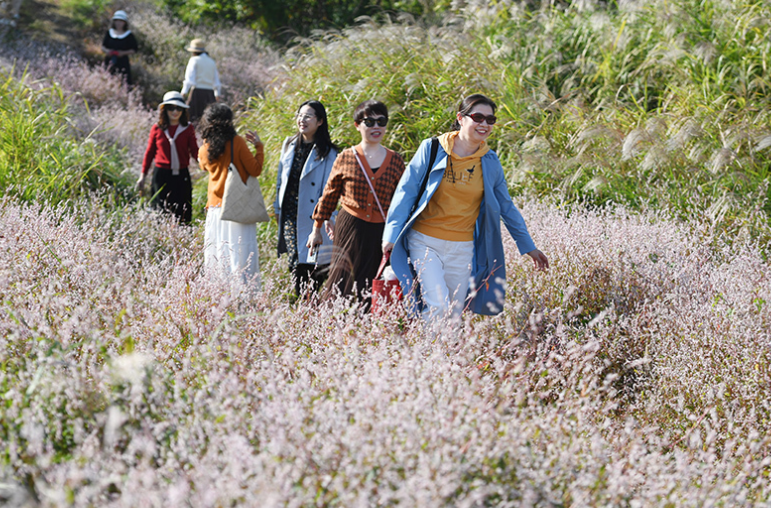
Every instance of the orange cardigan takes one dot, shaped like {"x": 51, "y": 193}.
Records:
{"x": 246, "y": 163}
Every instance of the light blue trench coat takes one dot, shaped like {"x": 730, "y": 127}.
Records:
{"x": 313, "y": 179}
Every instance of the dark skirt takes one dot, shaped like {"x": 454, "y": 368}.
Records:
{"x": 198, "y": 100}
{"x": 119, "y": 65}
{"x": 308, "y": 277}
{"x": 356, "y": 257}
{"x": 173, "y": 193}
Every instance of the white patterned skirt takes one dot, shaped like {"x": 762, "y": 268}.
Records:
{"x": 231, "y": 247}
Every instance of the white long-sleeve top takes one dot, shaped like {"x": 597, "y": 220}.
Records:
{"x": 201, "y": 73}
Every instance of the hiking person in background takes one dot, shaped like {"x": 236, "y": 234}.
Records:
{"x": 202, "y": 81}
{"x": 444, "y": 222}
{"x": 303, "y": 170}
{"x": 118, "y": 44}
{"x": 171, "y": 145}
{"x": 228, "y": 245}
{"x": 363, "y": 179}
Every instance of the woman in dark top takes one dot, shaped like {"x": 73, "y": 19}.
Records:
{"x": 303, "y": 169}
{"x": 118, "y": 44}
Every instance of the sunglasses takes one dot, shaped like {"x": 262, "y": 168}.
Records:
{"x": 370, "y": 122}
{"x": 173, "y": 108}
{"x": 479, "y": 118}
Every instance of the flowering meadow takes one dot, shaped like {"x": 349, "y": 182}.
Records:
{"x": 635, "y": 372}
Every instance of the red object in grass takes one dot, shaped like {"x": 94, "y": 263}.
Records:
{"x": 384, "y": 292}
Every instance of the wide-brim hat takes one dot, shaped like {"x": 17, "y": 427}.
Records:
{"x": 121, "y": 15}
{"x": 196, "y": 46}
{"x": 174, "y": 98}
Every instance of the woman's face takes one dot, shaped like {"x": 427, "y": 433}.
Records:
{"x": 174, "y": 112}
{"x": 374, "y": 134}
{"x": 473, "y": 131}
{"x": 119, "y": 25}
{"x": 307, "y": 121}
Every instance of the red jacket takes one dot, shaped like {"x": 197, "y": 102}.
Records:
{"x": 158, "y": 148}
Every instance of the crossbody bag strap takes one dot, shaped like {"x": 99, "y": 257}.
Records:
{"x": 369, "y": 182}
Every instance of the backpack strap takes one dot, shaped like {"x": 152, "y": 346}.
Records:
{"x": 431, "y": 160}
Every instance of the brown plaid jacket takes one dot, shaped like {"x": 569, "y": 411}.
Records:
{"x": 348, "y": 185}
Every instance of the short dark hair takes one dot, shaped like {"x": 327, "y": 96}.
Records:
{"x": 467, "y": 104}
{"x": 367, "y": 108}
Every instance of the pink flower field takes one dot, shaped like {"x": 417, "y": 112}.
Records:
{"x": 635, "y": 372}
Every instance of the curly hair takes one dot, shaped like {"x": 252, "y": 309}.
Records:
{"x": 217, "y": 128}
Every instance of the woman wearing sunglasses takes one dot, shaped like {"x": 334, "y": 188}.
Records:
{"x": 363, "y": 179}
{"x": 303, "y": 169}
{"x": 443, "y": 224}
{"x": 171, "y": 145}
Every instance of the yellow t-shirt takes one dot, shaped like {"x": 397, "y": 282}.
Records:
{"x": 453, "y": 209}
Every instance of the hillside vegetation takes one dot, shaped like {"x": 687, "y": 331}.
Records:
{"x": 634, "y": 372}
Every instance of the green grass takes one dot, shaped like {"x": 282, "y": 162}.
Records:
{"x": 42, "y": 155}
{"x": 663, "y": 106}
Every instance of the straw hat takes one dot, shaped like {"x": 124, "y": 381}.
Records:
{"x": 196, "y": 46}
{"x": 121, "y": 15}
{"x": 175, "y": 99}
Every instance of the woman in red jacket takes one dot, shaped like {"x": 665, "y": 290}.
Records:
{"x": 172, "y": 144}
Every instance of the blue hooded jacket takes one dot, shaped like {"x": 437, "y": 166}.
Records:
{"x": 487, "y": 292}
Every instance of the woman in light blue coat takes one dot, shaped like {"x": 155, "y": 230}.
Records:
{"x": 303, "y": 169}
{"x": 444, "y": 223}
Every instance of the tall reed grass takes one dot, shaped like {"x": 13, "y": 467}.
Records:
{"x": 648, "y": 104}
{"x": 42, "y": 157}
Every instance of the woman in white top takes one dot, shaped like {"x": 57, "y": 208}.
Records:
{"x": 202, "y": 81}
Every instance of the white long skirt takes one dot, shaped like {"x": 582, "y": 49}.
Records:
{"x": 231, "y": 247}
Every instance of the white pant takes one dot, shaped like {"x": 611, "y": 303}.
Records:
{"x": 231, "y": 247}
{"x": 443, "y": 270}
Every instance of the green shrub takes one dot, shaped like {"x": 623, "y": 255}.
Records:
{"x": 42, "y": 156}
{"x": 657, "y": 104}
{"x": 87, "y": 14}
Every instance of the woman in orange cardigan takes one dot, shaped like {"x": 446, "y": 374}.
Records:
{"x": 229, "y": 245}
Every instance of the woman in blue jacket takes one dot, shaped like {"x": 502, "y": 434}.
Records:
{"x": 443, "y": 225}
{"x": 303, "y": 169}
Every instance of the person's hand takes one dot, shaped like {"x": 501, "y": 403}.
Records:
{"x": 314, "y": 239}
{"x": 540, "y": 260}
{"x": 141, "y": 184}
{"x": 387, "y": 247}
{"x": 253, "y": 138}
{"x": 329, "y": 227}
